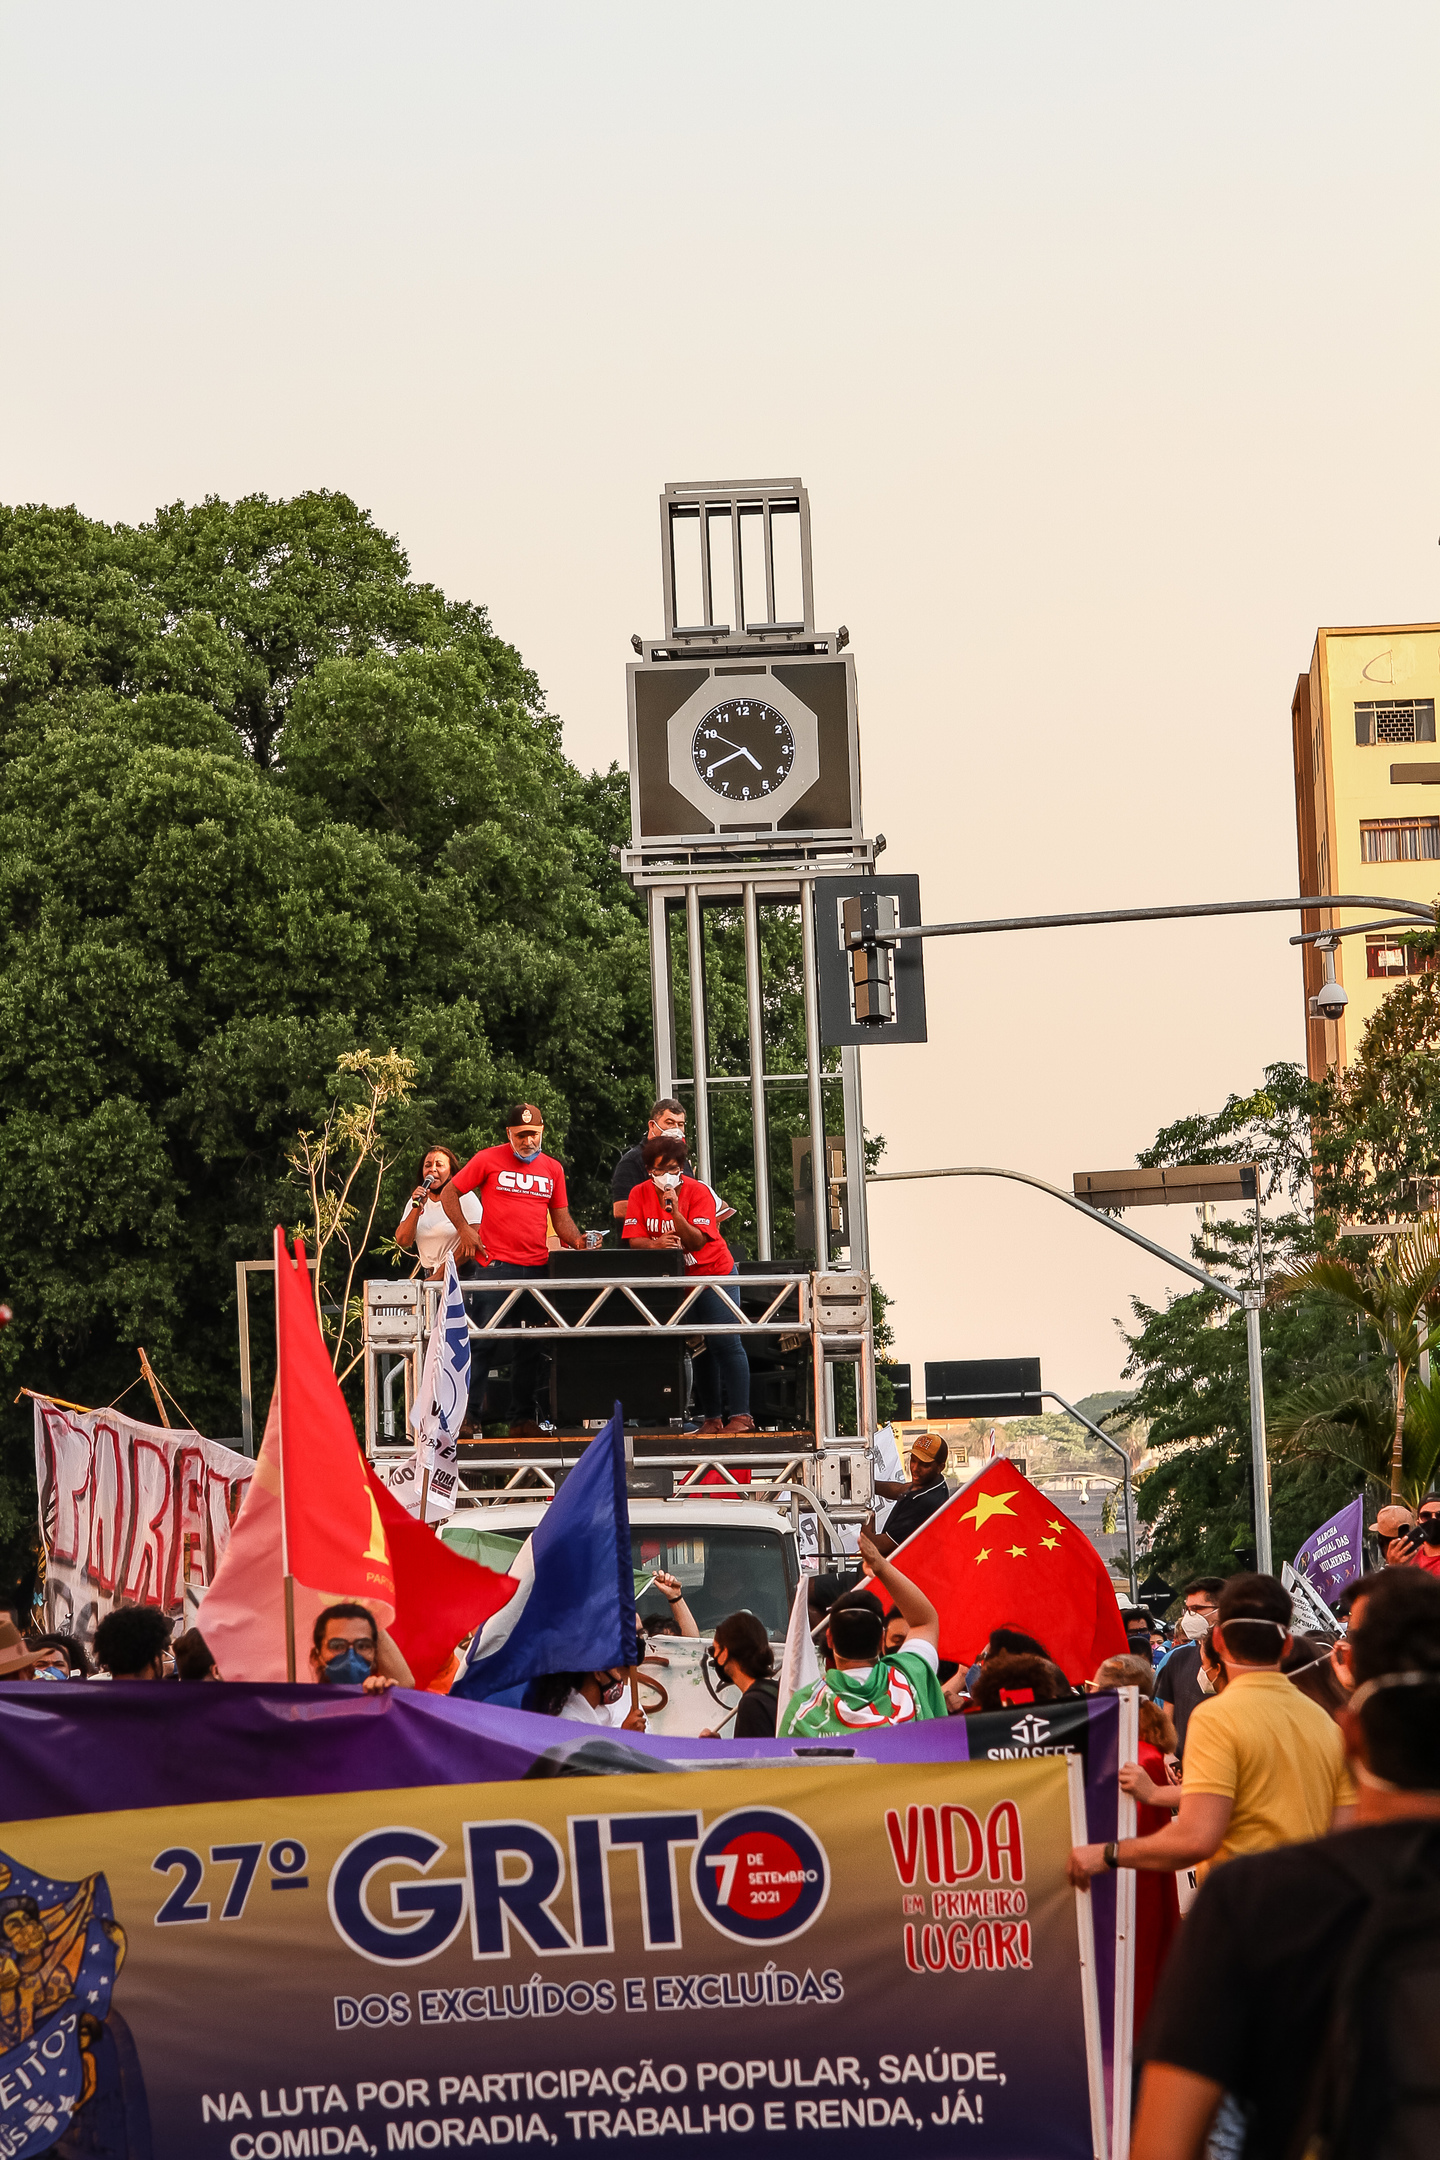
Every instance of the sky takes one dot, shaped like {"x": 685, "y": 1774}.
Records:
{"x": 1104, "y": 340}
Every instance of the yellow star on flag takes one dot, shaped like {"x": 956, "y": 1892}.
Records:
{"x": 983, "y": 1554}
{"x": 988, "y": 1504}
{"x": 1050, "y": 1543}
{"x": 1053, "y": 1525}
{"x": 1017, "y": 1552}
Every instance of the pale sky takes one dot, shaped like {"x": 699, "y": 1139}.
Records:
{"x": 1103, "y": 337}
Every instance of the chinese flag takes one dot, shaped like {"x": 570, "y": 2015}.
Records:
{"x": 335, "y": 1542}
{"x": 999, "y": 1554}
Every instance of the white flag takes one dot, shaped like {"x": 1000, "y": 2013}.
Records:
{"x": 438, "y": 1411}
{"x": 800, "y": 1662}
{"x": 885, "y": 1463}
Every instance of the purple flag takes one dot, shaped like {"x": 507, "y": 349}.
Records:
{"x": 1334, "y": 1555}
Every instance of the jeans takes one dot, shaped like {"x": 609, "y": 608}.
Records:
{"x": 723, "y": 1373}
{"x": 526, "y": 1355}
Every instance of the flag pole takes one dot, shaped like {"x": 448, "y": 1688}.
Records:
{"x": 282, "y": 1259}
{"x": 425, "y": 1495}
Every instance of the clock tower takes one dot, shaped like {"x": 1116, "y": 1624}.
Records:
{"x": 744, "y": 788}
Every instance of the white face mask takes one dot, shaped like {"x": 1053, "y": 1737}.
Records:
{"x": 1203, "y": 1681}
{"x": 1194, "y": 1625}
{"x": 667, "y": 1180}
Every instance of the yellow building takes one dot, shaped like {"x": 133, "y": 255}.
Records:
{"x": 1367, "y": 806}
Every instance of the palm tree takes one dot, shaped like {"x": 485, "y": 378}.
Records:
{"x": 1348, "y": 1418}
{"x": 1393, "y": 1296}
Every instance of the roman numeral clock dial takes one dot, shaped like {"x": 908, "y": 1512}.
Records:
{"x": 743, "y": 749}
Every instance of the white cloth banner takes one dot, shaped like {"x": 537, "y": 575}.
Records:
{"x": 438, "y": 1412}
{"x": 885, "y": 1463}
{"x": 800, "y": 1660}
{"x": 131, "y": 1514}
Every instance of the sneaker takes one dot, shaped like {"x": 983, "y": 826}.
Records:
{"x": 741, "y": 1424}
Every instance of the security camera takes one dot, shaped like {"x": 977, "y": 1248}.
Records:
{"x": 1329, "y": 1003}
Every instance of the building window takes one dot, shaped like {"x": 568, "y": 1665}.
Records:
{"x": 1395, "y": 720}
{"x": 1400, "y": 839}
{"x": 1386, "y": 956}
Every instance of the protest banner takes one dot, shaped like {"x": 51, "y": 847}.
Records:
{"x": 702, "y": 1956}
{"x": 1333, "y": 1556}
{"x": 130, "y": 1514}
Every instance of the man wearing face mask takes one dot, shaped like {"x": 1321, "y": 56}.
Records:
{"x": 1427, "y": 1522}
{"x": 1180, "y": 1681}
{"x": 673, "y": 1211}
{"x": 348, "y": 1650}
{"x": 666, "y": 1117}
{"x": 519, "y": 1187}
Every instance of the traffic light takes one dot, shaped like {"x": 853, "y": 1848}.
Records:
{"x": 868, "y": 919}
{"x": 872, "y": 991}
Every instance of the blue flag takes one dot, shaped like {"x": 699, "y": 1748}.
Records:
{"x": 574, "y": 1610}
{"x": 1333, "y": 1556}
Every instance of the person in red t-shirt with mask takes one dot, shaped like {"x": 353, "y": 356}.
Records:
{"x": 671, "y": 1210}
{"x": 519, "y": 1187}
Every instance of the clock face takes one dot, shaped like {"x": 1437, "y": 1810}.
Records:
{"x": 743, "y": 749}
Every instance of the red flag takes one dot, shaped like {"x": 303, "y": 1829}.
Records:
{"x": 999, "y": 1554}
{"x": 334, "y": 1538}
{"x": 440, "y": 1595}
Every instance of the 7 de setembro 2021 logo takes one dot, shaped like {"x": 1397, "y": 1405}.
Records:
{"x": 759, "y": 1875}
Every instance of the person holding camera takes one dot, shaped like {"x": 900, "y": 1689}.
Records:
{"x": 1394, "y": 1529}
{"x": 1427, "y": 1524}
{"x": 673, "y": 1212}
{"x": 425, "y": 1229}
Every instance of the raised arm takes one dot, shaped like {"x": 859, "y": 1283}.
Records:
{"x": 910, "y": 1602}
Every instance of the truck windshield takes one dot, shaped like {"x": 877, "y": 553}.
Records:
{"x": 721, "y": 1569}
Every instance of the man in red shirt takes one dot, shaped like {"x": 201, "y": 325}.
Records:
{"x": 1427, "y": 1522}
{"x": 519, "y": 1187}
{"x": 671, "y": 1210}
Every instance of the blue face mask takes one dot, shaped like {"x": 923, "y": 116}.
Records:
{"x": 349, "y": 1669}
{"x": 519, "y": 1157}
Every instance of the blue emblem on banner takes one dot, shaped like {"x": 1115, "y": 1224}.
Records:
{"x": 60, "y": 1949}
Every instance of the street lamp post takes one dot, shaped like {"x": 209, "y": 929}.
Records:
{"x": 1081, "y": 1419}
{"x": 1248, "y": 1300}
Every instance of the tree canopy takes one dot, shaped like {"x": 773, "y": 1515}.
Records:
{"x": 264, "y": 801}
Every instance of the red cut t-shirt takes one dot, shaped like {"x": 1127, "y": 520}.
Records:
{"x": 516, "y": 1196}
{"x": 647, "y": 1218}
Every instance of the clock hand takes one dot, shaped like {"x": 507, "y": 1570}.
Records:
{"x": 711, "y": 769}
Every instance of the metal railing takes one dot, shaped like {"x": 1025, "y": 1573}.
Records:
{"x": 796, "y": 1310}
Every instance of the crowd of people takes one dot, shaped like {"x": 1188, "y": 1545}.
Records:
{"x": 496, "y": 1214}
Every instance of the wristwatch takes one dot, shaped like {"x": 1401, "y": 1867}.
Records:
{"x": 1112, "y": 1860}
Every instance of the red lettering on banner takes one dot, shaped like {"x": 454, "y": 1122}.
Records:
{"x": 120, "y": 1503}
{"x": 1009, "y": 1850}
{"x": 906, "y": 1849}
{"x": 975, "y": 1858}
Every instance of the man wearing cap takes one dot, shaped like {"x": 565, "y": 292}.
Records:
{"x": 917, "y": 1500}
{"x": 18, "y": 1661}
{"x": 519, "y": 1188}
{"x": 1394, "y": 1528}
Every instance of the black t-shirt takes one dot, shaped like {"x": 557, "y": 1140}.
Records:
{"x": 1246, "y": 1995}
{"x": 914, "y": 1509}
{"x": 759, "y": 1709}
{"x": 1178, "y": 1683}
{"x": 630, "y": 1171}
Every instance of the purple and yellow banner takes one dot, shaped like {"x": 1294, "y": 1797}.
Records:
{"x": 590, "y": 1944}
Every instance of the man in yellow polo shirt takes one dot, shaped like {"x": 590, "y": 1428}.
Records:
{"x": 1264, "y": 1766}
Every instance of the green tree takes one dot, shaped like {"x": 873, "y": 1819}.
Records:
{"x": 1348, "y": 1419}
{"x": 266, "y": 804}
{"x": 1392, "y": 1297}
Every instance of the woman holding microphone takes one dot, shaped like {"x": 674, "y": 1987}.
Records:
{"x": 670, "y": 1210}
{"x": 425, "y": 1228}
